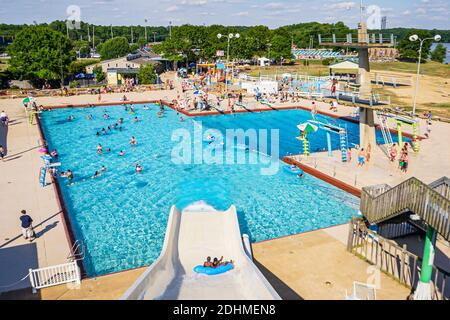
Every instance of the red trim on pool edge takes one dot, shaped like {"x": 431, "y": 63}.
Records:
{"x": 322, "y": 176}
{"x": 67, "y": 223}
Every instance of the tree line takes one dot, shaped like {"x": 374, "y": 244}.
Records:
{"x": 50, "y": 51}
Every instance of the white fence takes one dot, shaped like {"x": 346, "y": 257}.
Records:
{"x": 54, "y": 275}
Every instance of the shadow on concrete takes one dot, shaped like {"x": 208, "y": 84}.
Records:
{"x": 38, "y": 234}
{"x": 283, "y": 290}
{"x": 16, "y": 262}
{"x": 4, "y": 138}
{"x": 21, "y": 152}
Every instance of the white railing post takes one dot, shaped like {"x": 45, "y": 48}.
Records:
{"x": 33, "y": 284}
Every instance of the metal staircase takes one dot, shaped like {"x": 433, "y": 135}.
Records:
{"x": 385, "y": 131}
{"x": 382, "y": 202}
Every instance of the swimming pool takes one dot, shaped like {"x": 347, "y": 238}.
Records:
{"x": 121, "y": 216}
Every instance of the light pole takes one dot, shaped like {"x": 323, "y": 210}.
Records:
{"x": 414, "y": 38}
{"x": 154, "y": 36}
{"x": 229, "y": 37}
{"x": 145, "y": 28}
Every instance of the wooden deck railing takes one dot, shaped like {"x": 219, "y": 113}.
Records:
{"x": 393, "y": 259}
{"x": 380, "y": 203}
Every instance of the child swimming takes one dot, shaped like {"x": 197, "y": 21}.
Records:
{"x": 138, "y": 168}
{"x": 121, "y": 153}
{"x": 99, "y": 149}
{"x": 133, "y": 141}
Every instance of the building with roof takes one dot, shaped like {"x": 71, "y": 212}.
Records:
{"x": 119, "y": 69}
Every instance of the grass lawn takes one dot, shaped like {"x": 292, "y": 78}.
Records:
{"x": 430, "y": 68}
{"x": 315, "y": 68}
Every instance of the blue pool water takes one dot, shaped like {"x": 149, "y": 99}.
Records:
{"x": 121, "y": 216}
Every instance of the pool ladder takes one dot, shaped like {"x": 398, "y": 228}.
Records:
{"x": 77, "y": 251}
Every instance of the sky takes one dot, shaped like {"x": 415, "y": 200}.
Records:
{"x": 427, "y": 14}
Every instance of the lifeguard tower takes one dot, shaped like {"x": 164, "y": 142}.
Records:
{"x": 365, "y": 100}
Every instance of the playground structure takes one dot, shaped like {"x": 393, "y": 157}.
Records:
{"x": 400, "y": 121}
{"x": 313, "y": 126}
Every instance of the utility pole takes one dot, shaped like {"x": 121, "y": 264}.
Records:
{"x": 154, "y": 36}
{"x": 170, "y": 29}
{"x": 89, "y": 34}
{"x": 93, "y": 37}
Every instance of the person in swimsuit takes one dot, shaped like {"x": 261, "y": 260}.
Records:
{"x": 54, "y": 154}
{"x": 207, "y": 263}
{"x": 133, "y": 141}
{"x": 99, "y": 149}
{"x": 138, "y": 168}
{"x": 121, "y": 153}
{"x": 218, "y": 262}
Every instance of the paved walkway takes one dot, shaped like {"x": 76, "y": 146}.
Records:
{"x": 21, "y": 190}
{"x": 316, "y": 265}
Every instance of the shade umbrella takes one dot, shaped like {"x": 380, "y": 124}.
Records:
{"x": 28, "y": 100}
{"x": 307, "y": 127}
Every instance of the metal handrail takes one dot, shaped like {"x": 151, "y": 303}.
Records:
{"x": 77, "y": 251}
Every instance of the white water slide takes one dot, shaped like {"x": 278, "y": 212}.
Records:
{"x": 192, "y": 235}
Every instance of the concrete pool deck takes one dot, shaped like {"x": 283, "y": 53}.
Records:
{"x": 316, "y": 266}
{"x": 21, "y": 190}
{"x": 20, "y": 187}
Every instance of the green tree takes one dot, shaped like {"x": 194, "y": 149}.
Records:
{"x": 99, "y": 74}
{"x": 439, "y": 53}
{"x": 409, "y": 50}
{"x": 114, "y": 48}
{"x": 40, "y": 53}
{"x": 147, "y": 74}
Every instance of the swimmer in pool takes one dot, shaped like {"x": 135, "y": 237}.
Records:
{"x": 121, "y": 153}
{"x": 70, "y": 118}
{"x": 120, "y": 128}
{"x": 99, "y": 149}
{"x": 121, "y": 120}
{"x": 108, "y": 149}
{"x": 138, "y": 168}
{"x": 145, "y": 107}
{"x": 133, "y": 141}
{"x": 97, "y": 134}
{"x": 103, "y": 169}
{"x": 96, "y": 174}
{"x": 136, "y": 119}
{"x": 54, "y": 154}
{"x": 89, "y": 117}
{"x": 181, "y": 119}
{"x": 103, "y": 131}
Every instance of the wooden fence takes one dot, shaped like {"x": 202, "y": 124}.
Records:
{"x": 393, "y": 259}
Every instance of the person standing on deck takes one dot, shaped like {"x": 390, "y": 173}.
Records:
{"x": 27, "y": 227}
{"x": 361, "y": 157}
{"x": 368, "y": 151}
{"x": 393, "y": 152}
